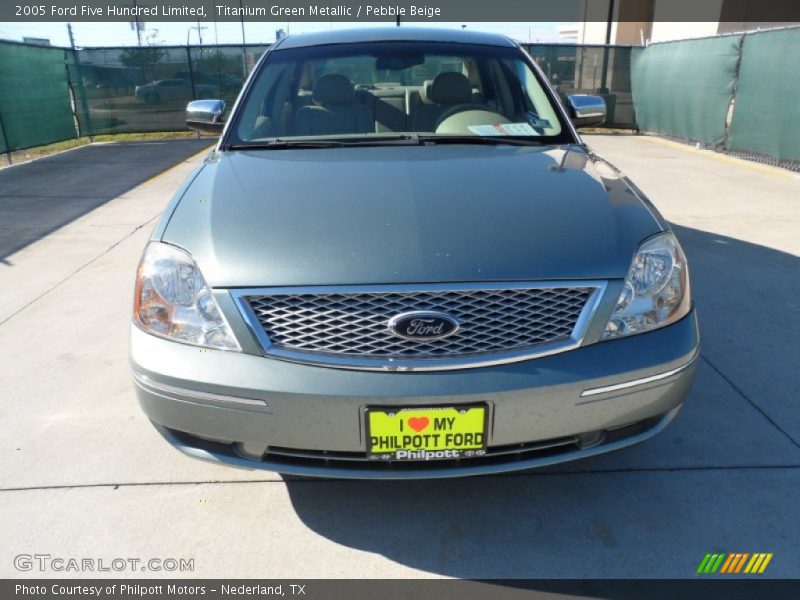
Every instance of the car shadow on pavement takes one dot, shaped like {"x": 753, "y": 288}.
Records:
{"x": 41, "y": 196}
{"x": 748, "y": 301}
{"x": 648, "y": 511}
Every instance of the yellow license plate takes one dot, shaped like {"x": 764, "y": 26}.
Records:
{"x": 434, "y": 433}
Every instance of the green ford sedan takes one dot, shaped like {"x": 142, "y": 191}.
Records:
{"x": 401, "y": 261}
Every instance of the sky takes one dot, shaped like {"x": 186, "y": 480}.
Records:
{"x": 121, "y": 34}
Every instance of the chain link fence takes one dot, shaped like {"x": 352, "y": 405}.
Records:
{"x": 35, "y": 105}
{"x": 585, "y": 69}
{"x": 684, "y": 89}
{"x": 126, "y": 90}
{"x": 731, "y": 93}
{"x": 93, "y": 91}
{"x": 765, "y": 123}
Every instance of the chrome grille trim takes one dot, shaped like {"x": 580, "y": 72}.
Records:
{"x": 569, "y": 338}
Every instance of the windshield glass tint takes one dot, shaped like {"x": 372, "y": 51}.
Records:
{"x": 378, "y": 89}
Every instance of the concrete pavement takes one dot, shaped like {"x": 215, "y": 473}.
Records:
{"x": 83, "y": 474}
{"x": 739, "y": 223}
{"x": 41, "y": 196}
{"x": 46, "y": 196}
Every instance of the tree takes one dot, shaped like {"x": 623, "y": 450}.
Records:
{"x": 145, "y": 59}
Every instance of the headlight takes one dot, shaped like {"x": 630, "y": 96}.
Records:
{"x": 656, "y": 291}
{"x": 173, "y": 301}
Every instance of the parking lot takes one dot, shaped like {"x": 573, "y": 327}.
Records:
{"x": 84, "y": 474}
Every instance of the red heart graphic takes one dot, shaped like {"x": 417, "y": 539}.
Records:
{"x": 418, "y": 423}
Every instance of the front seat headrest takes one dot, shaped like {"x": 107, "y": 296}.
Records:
{"x": 426, "y": 89}
{"x": 333, "y": 89}
{"x": 451, "y": 88}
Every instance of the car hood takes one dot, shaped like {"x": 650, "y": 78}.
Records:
{"x": 400, "y": 214}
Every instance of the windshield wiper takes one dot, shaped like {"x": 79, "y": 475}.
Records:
{"x": 487, "y": 140}
{"x": 278, "y": 144}
{"x": 412, "y": 139}
{"x": 281, "y": 144}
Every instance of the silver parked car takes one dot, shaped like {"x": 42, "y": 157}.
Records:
{"x": 173, "y": 90}
{"x": 400, "y": 261}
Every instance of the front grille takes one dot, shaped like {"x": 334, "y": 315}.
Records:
{"x": 353, "y": 324}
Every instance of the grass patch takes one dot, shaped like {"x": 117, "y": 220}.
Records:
{"x": 40, "y": 151}
{"x": 143, "y": 137}
{"x": 606, "y": 131}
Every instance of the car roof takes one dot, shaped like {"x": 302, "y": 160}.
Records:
{"x": 393, "y": 34}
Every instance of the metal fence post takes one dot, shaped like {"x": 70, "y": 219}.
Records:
{"x": 191, "y": 71}
{"x": 734, "y": 91}
{"x": 78, "y": 97}
{"x": 244, "y": 44}
{"x": 604, "y": 76}
{"x": 5, "y": 139}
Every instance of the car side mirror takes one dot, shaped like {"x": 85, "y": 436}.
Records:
{"x": 205, "y": 116}
{"x": 586, "y": 111}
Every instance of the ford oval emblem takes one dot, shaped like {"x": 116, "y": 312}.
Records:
{"x": 423, "y": 325}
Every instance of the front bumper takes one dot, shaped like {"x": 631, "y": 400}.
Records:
{"x": 256, "y": 412}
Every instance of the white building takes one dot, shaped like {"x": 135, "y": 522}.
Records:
{"x": 638, "y": 22}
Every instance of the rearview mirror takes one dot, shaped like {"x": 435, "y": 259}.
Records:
{"x": 205, "y": 116}
{"x": 586, "y": 111}
{"x": 399, "y": 62}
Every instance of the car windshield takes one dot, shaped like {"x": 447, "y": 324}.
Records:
{"x": 382, "y": 91}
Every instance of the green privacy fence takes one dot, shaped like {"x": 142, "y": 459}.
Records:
{"x": 684, "y": 89}
{"x": 131, "y": 89}
{"x": 122, "y": 90}
{"x": 94, "y": 91}
{"x": 589, "y": 69}
{"x": 734, "y": 93}
{"x": 35, "y": 105}
{"x": 766, "y": 117}
{"x": 50, "y": 94}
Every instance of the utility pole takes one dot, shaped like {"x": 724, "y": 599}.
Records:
{"x": 136, "y": 22}
{"x": 244, "y": 47}
{"x": 609, "y": 23}
{"x": 71, "y": 86}
{"x": 216, "y": 47}
{"x": 199, "y": 31}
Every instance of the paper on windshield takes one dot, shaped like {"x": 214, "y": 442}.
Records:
{"x": 503, "y": 129}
